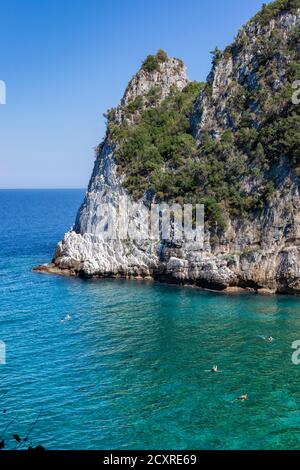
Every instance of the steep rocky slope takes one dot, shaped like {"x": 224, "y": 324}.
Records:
{"x": 231, "y": 143}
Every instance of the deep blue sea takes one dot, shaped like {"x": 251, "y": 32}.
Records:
{"x": 129, "y": 369}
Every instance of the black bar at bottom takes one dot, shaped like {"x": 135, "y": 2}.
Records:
{"x": 134, "y": 459}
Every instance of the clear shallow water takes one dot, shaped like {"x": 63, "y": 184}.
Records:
{"x": 129, "y": 370}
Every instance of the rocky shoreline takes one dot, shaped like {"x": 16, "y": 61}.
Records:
{"x": 51, "y": 268}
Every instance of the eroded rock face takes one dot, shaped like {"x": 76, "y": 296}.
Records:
{"x": 260, "y": 252}
{"x": 236, "y": 69}
{"x": 171, "y": 73}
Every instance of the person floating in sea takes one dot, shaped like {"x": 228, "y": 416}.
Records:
{"x": 243, "y": 397}
{"x": 267, "y": 338}
{"x": 213, "y": 369}
{"x": 67, "y": 318}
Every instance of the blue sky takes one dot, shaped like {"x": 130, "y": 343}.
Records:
{"x": 66, "y": 62}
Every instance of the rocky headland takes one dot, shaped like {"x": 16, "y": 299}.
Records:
{"x": 231, "y": 143}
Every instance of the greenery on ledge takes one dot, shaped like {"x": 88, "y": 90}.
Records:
{"x": 153, "y": 153}
{"x": 152, "y": 62}
{"x": 272, "y": 10}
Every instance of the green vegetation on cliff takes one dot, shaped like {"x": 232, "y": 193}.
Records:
{"x": 153, "y": 154}
{"x": 152, "y": 62}
{"x": 272, "y": 10}
{"x": 230, "y": 171}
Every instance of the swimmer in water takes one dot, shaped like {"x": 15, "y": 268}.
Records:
{"x": 67, "y": 318}
{"x": 266, "y": 338}
{"x": 214, "y": 369}
{"x": 243, "y": 397}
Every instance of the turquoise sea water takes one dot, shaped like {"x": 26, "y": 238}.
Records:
{"x": 129, "y": 370}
